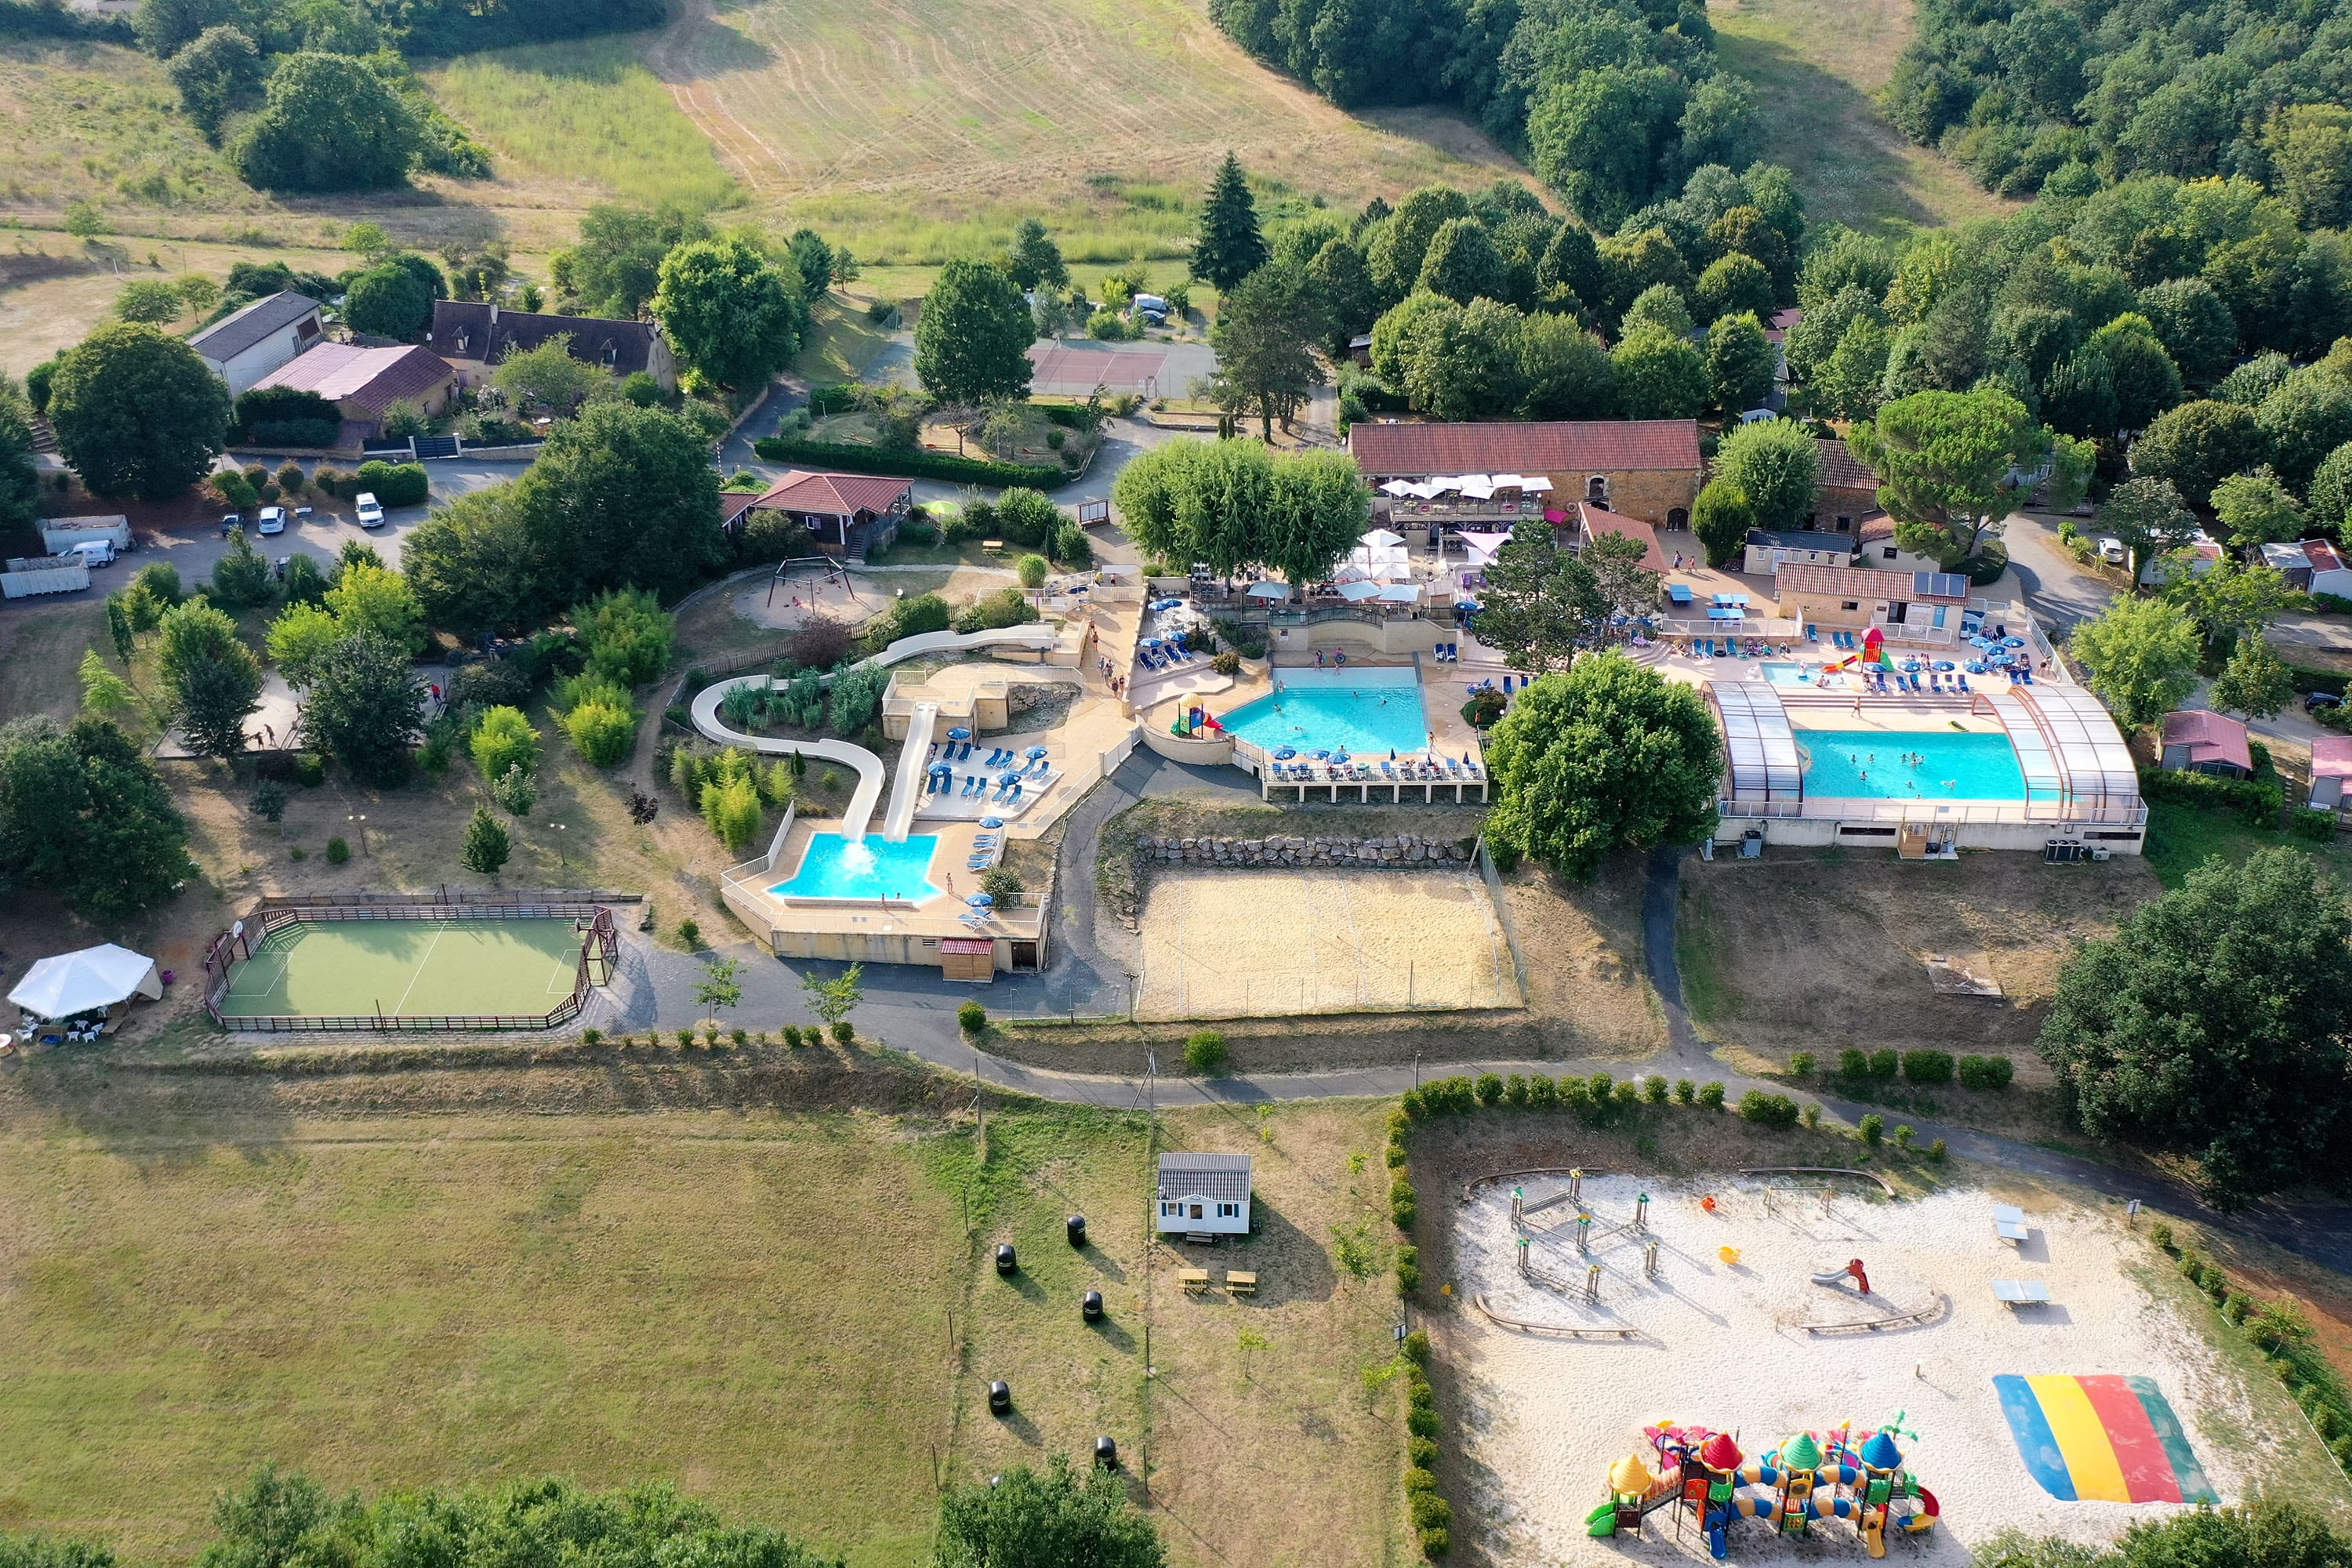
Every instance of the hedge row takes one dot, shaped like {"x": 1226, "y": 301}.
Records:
{"x": 2256, "y": 803}
{"x": 1919, "y": 1066}
{"x": 1433, "y": 1516}
{"x": 909, "y": 465}
{"x": 2279, "y": 1329}
{"x": 392, "y": 484}
{"x": 1598, "y": 1096}
{"x": 2305, "y": 678}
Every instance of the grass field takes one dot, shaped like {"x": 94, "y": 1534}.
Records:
{"x": 407, "y": 969}
{"x": 587, "y": 115}
{"x": 791, "y": 1316}
{"x": 2182, "y": 837}
{"x": 1816, "y": 66}
{"x": 922, "y": 130}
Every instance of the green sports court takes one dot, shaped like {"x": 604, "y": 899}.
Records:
{"x": 349, "y": 968}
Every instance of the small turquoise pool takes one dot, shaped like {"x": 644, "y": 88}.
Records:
{"x": 1907, "y": 764}
{"x": 867, "y": 867}
{"x": 1780, "y": 674}
{"x": 1364, "y": 712}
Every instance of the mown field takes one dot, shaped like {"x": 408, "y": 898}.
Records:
{"x": 785, "y": 1313}
{"x": 1816, "y": 66}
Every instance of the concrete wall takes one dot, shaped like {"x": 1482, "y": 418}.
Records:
{"x": 1402, "y": 851}
{"x": 1395, "y": 638}
{"x": 1201, "y": 753}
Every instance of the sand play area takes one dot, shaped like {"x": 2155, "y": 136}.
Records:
{"x": 1725, "y": 1344}
{"x": 1245, "y": 944}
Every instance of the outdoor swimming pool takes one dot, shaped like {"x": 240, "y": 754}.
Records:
{"x": 1363, "y": 711}
{"x": 868, "y": 868}
{"x": 1788, "y": 674}
{"x": 1910, "y": 764}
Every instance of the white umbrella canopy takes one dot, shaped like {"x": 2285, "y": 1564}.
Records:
{"x": 1269, "y": 591}
{"x": 1401, "y": 594}
{"x": 1482, "y": 546}
{"x": 1382, "y": 539}
{"x": 86, "y": 981}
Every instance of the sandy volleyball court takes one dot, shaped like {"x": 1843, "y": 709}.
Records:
{"x": 1233, "y": 944}
{"x": 1723, "y": 1345}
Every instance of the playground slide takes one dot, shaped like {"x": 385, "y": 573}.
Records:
{"x": 914, "y": 757}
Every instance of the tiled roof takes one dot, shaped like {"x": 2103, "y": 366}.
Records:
{"x": 1874, "y": 527}
{"x": 232, "y": 336}
{"x": 1222, "y": 1178}
{"x": 1802, "y": 539}
{"x": 837, "y": 495}
{"x": 2331, "y": 757}
{"x": 2323, "y": 556}
{"x": 1835, "y": 469}
{"x": 1601, "y": 445}
{"x": 1597, "y": 522}
{"x": 2210, "y": 737}
{"x": 373, "y": 379}
{"x": 1859, "y": 582}
{"x": 733, "y": 504}
{"x": 476, "y": 330}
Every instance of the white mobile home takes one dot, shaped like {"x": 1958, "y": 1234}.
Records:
{"x": 1204, "y": 1194}
{"x": 242, "y": 348}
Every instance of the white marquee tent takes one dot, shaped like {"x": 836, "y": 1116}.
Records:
{"x": 91, "y": 981}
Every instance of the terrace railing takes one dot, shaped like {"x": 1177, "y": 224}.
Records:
{"x": 1866, "y": 809}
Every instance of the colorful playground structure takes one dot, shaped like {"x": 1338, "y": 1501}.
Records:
{"x": 1857, "y": 1476}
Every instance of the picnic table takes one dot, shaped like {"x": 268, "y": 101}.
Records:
{"x": 1192, "y": 1278}
{"x": 2016, "y": 1293}
{"x": 1241, "y": 1283}
{"x": 2008, "y": 1223}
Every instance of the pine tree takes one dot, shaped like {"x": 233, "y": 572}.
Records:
{"x": 1230, "y": 247}
{"x": 488, "y": 843}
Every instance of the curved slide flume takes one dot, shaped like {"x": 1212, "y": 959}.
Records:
{"x": 859, "y": 816}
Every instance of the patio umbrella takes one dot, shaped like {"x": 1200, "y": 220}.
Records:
{"x": 1283, "y": 753}
{"x": 958, "y": 734}
{"x": 1035, "y": 752}
{"x": 1356, "y": 592}
{"x": 1006, "y": 778}
{"x": 981, "y": 900}
{"x": 991, "y": 822}
{"x": 1382, "y": 539}
{"x": 1269, "y": 591}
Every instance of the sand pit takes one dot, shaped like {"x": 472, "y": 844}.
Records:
{"x": 1724, "y": 1346}
{"x": 1240, "y": 945}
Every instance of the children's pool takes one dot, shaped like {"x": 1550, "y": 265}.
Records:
{"x": 1789, "y": 674}
{"x": 1360, "y": 710}
{"x": 1908, "y": 764}
{"x": 867, "y": 867}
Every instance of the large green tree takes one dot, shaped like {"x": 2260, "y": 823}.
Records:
{"x": 621, "y": 497}
{"x": 1266, "y": 327}
{"x": 363, "y": 707}
{"x": 1542, "y": 603}
{"x": 218, "y": 74}
{"x": 2307, "y": 417}
{"x": 1948, "y": 464}
{"x": 20, "y": 482}
{"x": 1056, "y": 1519}
{"x": 1401, "y": 243}
{"x": 2197, "y": 445}
{"x": 329, "y": 123}
{"x": 83, "y": 812}
{"x": 2213, "y": 1024}
{"x": 1739, "y": 363}
{"x": 389, "y": 300}
{"x": 2141, "y": 658}
{"x": 1659, "y": 376}
{"x": 1721, "y": 517}
{"x": 1238, "y": 504}
{"x": 1610, "y": 755}
{"x": 1463, "y": 264}
{"x": 476, "y": 566}
{"x": 729, "y": 313}
{"x": 617, "y": 265}
{"x": 1775, "y": 463}
{"x": 1464, "y": 362}
{"x": 1348, "y": 300}
{"x": 137, "y": 413}
{"x": 971, "y": 341}
{"x": 1228, "y": 246}
{"x": 1564, "y": 371}
{"x": 1034, "y": 260}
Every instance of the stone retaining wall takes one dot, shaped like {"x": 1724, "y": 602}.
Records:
{"x": 1400, "y": 850}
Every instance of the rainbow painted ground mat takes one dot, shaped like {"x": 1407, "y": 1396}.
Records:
{"x": 2102, "y": 1439}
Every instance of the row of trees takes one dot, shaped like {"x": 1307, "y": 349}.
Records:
{"x": 1025, "y": 1518}
{"x": 1238, "y": 505}
{"x": 2040, "y": 95}
{"x": 1612, "y": 104}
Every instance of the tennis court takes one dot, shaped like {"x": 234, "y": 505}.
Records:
{"x": 407, "y": 969}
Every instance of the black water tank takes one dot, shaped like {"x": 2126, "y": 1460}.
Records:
{"x": 999, "y": 1397}
{"x": 1106, "y": 1453}
{"x": 1090, "y": 1306}
{"x": 1006, "y": 1261}
{"x": 1076, "y": 1226}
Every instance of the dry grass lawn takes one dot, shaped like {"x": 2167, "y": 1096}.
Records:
{"x": 1817, "y": 66}
{"x": 392, "y": 1279}
{"x": 1820, "y": 951}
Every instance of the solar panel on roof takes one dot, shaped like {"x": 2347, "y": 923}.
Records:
{"x": 1939, "y": 584}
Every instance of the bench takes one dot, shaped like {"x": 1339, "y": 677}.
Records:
{"x": 1240, "y": 1283}
{"x": 1192, "y": 1278}
{"x": 2008, "y": 1223}
{"x": 2016, "y": 1293}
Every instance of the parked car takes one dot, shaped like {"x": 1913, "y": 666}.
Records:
{"x": 94, "y": 552}
{"x": 273, "y": 520}
{"x": 2313, "y": 701}
{"x": 2111, "y": 551}
{"x": 230, "y": 523}
{"x": 371, "y": 511}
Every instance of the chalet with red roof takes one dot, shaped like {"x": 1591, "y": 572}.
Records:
{"x": 1648, "y": 469}
{"x": 845, "y": 514}
{"x": 2195, "y": 741}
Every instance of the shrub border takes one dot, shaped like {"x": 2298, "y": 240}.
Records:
{"x": 912, "y": 465}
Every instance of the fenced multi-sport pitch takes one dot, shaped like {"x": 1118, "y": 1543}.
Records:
{"x": 426, "y": 964}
